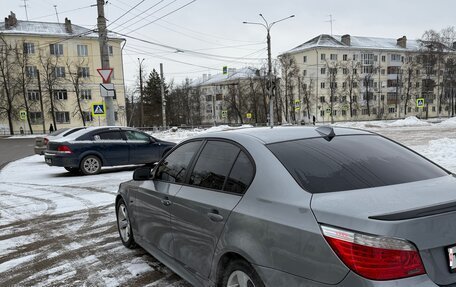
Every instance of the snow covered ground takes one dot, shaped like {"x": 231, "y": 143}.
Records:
{"x": 59, "y": 229}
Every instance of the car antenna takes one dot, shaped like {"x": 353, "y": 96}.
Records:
{"x": 327, "y": 132}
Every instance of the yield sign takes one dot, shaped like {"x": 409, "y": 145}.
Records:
{"x": 105, "y": 74}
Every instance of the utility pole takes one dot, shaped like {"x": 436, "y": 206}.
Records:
{"x": 41, "y": 100}
{"x": 104, "y": 54}
{"x": 162, "y": 86}
{"x": 141, "y": 95}
{"x": 268, "y": 27}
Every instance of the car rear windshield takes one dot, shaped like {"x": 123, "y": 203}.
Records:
{"x": 352, "y": 162}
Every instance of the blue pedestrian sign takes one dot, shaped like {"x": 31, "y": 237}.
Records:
{"x": 420, "y": 102}
{"x": 98, "y": 109}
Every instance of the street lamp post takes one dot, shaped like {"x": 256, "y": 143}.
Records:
{"x": 141, "y": 120}
{"x": 268, "y": 27}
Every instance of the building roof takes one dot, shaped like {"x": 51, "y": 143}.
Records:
{"x": 232, "y": 75}
{"x": 49, "y": 29}
{"x": 356, "y": 42}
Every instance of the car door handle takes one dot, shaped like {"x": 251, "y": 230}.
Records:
{"x": 215, "y": 216}
{"x": 166, "y": 201}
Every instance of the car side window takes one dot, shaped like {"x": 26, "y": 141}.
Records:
{"x": 109, "y": 135}
{"x": 241, "y": 175}
{"x": 137, "y": 136}
{"x": 174, "y": 167}
{"x": 214, "y": 164}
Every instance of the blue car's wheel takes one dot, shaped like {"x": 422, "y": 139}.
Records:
{"x": 90, "y": 165}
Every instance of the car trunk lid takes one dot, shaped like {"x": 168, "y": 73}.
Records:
{"x": 423, "y": 212}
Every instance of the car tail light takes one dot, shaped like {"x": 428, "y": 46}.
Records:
{"x": 375, "y": 257}
{"x": 64, "y": 149}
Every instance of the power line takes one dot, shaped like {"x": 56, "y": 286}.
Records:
{"x": 126, "y": 13}
{"x": 67, "y": 11}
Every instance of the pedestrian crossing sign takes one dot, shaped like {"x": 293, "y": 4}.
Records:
{"x": 98, "y": 109}
{"x": 420, "y": 102}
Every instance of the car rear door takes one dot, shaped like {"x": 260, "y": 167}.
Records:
{"x": 201, "y": 208}
{"x": 154, "y": 197}
{"x": 143, "y": 148}
{"x": 112, "y": 146}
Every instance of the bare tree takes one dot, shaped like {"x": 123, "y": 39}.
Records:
{"x": 76, "y": 77}
{"x": 49, "y": 64}
{"x": 290, "y": 72}
{"x": 7, "y": 66}
{"x": 351, "y": 73}
{"x": 333, "y": 89}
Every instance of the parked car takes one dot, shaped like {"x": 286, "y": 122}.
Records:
{"x": 41, "y": 142}
{"x": 88, "y": 150}
{"x": 294, "y": 206}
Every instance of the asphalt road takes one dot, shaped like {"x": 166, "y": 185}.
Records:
{"x": 13, "y": 149}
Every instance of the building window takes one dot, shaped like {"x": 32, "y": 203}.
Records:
{"x": 367, "y": 59}
{"x": 304, "y": 73}
{"x": 333, "y": 85}
{"x": 323, "y": 57}
{"x": 83, "y": 72}
{"x": 33, "y": 95}
{"x": 60, "y": 95}
{"x": 62, "y": 117}
{"x": 374, "y": 111}
{"x": 333, "y": 57}
{"x": 354, "y": 112}
{"x": 433, "y": 108}
{"x": 392, "y": 70}
{"x": 375, "y": 58}
{"x": 383, "y": 58}
{"x": 116, "y": 116}
{"x": 85, "y": 94}
{"x": 367, "y": 69}
{"x": 355, "y": 84}
{"x": 392, "y": 83}
{"x": 322, "y": 85}
{"x": 333, "y": 71}
{"x": 31, "y": 71}
{"x": 345, "y": 71}
{"x": 59, "y": 72}
{"x": 355, "y": 57}
{"x": 322, "y": 99}
{"x": 355, "y": 71}
{"x": 345, "y": 57}
{"x": 354, "y": 98}
{"x": 364, "y": 112}
{"x": 344, "y": 85}
{"x": 323, "y": 71}
{"x": 83, "y": 51}
{"x": 382, "y": 97}
{"x": 396, "y": 58}
{"x": 36, "y": 118}
{"x": 219, "y": 97}
{"x": 382, "y": 71}
{"x": 29, "y": 48}
{"x": 409, "y": 109}
{"x": 304, "y": 59}
{"x": 334, "y": 113}
{"x": 111, "y": 50}
{"x": 322, "y": 113}
{"x": 344, "y": 112}
{"x": 391, "y": 110}
{"x": 209, "y": 98}
{"x": 417, "y": 84}
{"x": 87, "y": 116}
{"x": 56, "y": 49}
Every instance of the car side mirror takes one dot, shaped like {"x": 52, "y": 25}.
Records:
{"x": 142, "y": 173}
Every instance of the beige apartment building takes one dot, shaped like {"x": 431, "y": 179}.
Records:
{"x": 66, "y": 58}
{"x": 365, "y": 78}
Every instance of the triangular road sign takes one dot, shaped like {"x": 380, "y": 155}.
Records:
{"x": 105, "y": 74}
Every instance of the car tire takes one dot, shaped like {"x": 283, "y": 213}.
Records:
{"x": 73, "y": 170}
{"x": 124, "y": 226}
{"x": 240, "y": 273}
{"x": 90, "y": 164}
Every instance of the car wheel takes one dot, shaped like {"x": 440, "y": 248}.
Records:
{"x": 124, "y": 226}
{"x": 73, "y": 170}
{"x": 239, "y": 273}
{"x": 90, "y": 165}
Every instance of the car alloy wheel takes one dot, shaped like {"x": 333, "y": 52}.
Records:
{"x": 91, "y": 165}
{"x": 239, "y": 279}
{"x": 124, "y": 226}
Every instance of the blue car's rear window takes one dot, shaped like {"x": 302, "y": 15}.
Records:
{"x": 352, "y": 162}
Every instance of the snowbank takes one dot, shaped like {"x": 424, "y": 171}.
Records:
{"x": 408, "y": 122}
{"x": 451, "y": 122}
{"x": 441, "y": 151}
{"x": 176, "y": 135}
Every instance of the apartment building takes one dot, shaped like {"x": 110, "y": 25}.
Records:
{"x": 226, "y": 98}
{"x": 365, "y": 78}
{"x": 66, "y": 58}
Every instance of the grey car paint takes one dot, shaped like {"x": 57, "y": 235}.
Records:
{"x": 275, "y": 225}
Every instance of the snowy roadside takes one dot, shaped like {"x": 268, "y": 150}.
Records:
{"x": 59, "y": 229}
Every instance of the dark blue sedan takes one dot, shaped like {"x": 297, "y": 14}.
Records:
{"x": 86, "y": 151}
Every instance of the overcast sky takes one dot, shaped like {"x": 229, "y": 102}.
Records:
{"x": 215, "y": 27}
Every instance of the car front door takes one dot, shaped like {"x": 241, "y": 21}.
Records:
{"x": 154, "y": 197}
{"x": 112, "y": 146}
{"x": 201, "y": 208}
{"x": 143, "y": 148}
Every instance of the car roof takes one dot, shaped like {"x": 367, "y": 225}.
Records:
{"x": 268, "y": 135}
